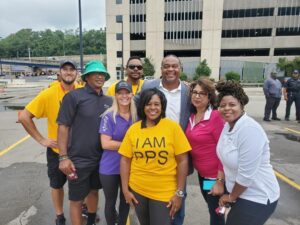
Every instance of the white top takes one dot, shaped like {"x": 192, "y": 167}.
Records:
{"x": 245, "y": 155}
{"x": 173, "y": 102}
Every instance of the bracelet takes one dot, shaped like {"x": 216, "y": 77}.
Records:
{"x": 220, "y": 179}
{"x": 62, "y": 157}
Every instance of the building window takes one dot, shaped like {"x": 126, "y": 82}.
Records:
{"x": 118, "y": 2}
{"x": 137, "y": 1}
{"x": 119, "y": 73}
{"x": 141, "y": 54}
{"x": 138, "y": 18}
{"x": 286, "y": 51}
{"x": 119, "y": 18}
{"x": 257, "y": 12}
{"x": 263, "y": 32}
{"x": 119, "y": 36}
{"x": 119, "y": 54}
{"x": 141, "y": 36}
{"x": 287, "y": 11}
{"x": 183, "y": 16}
{"x": 288, "y": 31}
{"x": 183, "y": 53}
{"x": 245, "y": 52}
{"x": 183, "y": 34}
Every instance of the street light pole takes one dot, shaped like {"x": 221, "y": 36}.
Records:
{"x": 122, "y": 70}
{"x": 80, "y": 35}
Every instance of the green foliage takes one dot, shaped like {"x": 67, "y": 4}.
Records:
{"x": 148, "y": 67}
{"x": 288, "y": 66}
{"x": 202, "y": 70}
{"x": 232, "y": 75}
{"x": 183, "y": 76}
{"x": 52, "y": 43}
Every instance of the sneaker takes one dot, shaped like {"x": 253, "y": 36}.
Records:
{"x": 267, "y": 120}
{"x": 60, "y": 221}
{"x": 278, "y": 119}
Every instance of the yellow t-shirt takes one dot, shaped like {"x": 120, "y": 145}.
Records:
{"x": 153, "y": 150}
{"x": 136, "y": 88}
{"x": 46, "y": 105}
{"x": 56, "y": 82}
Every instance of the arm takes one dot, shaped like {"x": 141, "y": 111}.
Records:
{"x": 218, "y": 188}
{"x": 125, "y": 165}
{"x": 66, "y": 165}
{"x": 108, "y": 143}
{"x": 182, "y": 171}
{"x": 284, "y": 92}
{"x": 266, "y": 88}
{"x": 26, "y": 118}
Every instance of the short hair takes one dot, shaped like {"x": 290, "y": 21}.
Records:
{"x": 171, "y": 55}
{"x": 145, "y": 99}
{"x": 208, "y": 86}
{"x": 133, "y": 57}
{"x": 232, "y": 88}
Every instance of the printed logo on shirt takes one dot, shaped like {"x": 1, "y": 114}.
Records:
{"x": 148, "y": 153}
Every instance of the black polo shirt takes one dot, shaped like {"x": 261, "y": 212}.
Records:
{"x": 80, "y": 111}
{"x": 293, "y": 85}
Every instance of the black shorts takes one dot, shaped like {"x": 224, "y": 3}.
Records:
{"x": 88, "y": 179}
{"x": 57, "y": 178}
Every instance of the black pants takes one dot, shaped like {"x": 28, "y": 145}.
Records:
{"x": 293, "y": 97}
{"x": 212, "y": 203}
{"x": 271, "y": 105}
{"x": 111, "y": 185}
{"x": 245, "y": 212}
{"x": 151, "y": 212}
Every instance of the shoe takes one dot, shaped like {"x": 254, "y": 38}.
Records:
{"x": 287, "y": 119}
{"x": 267, "y": 120}
{"x": 60, "y": 221}
{"x": 84, "y": 211}
{"x": 278, "y": 119}
{"x": 298, "y": 121}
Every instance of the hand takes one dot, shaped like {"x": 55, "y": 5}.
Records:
{"x": 224, "y": 200}
{"x": 174, "y": 205}
{"x": 130, "y": 199}
{"x": 49, "y": 143}
{"x": 217, "y": 189}
{"x": 67, "y": 166}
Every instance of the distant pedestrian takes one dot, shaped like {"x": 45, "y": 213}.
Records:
{"x": 291, "y": 92}
{"x": 272, "y": 90}
{"x": 79, "y": 142}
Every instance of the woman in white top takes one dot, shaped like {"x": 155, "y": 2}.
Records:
{"x": 244, "y": 151}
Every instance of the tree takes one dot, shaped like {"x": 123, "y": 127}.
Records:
{"x": 148, "y": 67}
{"x": 232, "y": 75}
{"x": 288, "y": 66}
{"x": 202, "y": 70}
{"x": 183, "y": 76}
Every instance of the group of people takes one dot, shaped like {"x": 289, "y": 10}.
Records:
{"x": 146, "y": 140}
{"x": 273, "y": 90}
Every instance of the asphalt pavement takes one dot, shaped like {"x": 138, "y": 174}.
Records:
{"x": 25, "y": 196}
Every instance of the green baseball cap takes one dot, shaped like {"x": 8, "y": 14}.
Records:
{"x": 95, "y": 67}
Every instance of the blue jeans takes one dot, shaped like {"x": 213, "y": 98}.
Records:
{"x": 212, "y": 203}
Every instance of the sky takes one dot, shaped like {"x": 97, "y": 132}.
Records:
{"x": 50, "y": 14}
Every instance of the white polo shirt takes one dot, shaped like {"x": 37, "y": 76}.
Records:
{"x": 245, "y": 155}
{"x": 173, "y": 102}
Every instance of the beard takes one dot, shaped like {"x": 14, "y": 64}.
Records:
{"x": 68, "y": 82}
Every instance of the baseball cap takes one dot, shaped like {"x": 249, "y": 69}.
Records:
{"x": 273, "y": 72}
{"x": 95, "y": 67}
{"x": 295, "y": 71}
{"x": 64, "y": 62}
{"x": 123, "y": 85}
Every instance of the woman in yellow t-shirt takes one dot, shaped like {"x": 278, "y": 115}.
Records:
{"x": 154, "y": 162}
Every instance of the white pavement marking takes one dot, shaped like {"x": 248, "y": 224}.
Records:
{"x": 22, "y": 219}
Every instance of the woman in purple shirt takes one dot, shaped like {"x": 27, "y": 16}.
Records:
{"x": 114, "y": 124}
{"x": 203, "y": 132}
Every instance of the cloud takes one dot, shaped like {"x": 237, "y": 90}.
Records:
{"x": 55, "y": 14}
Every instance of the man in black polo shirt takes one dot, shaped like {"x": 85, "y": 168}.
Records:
{"x": 79, "y": 142}
{"x": 291, "y": 93}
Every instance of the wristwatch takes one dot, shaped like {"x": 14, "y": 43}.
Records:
{"x": 180, "y": 193}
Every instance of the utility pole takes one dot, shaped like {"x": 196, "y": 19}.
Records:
{"x": 80, "y": 35}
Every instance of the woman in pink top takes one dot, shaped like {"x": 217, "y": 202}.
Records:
{"x": 203, "y": 132}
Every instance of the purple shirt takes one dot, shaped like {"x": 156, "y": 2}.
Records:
{"x": 110, "y": 160}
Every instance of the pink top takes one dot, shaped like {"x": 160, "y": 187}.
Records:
{"x": 203, "y": 138}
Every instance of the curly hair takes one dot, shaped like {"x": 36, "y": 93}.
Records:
{"x": 208, "y": 86}
{"x": 232, "y": 88}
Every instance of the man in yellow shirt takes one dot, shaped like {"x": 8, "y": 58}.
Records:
{"x": 46, "y": 105}
{"x": 134, "y": 72}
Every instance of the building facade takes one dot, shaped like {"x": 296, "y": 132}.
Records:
{"x": 223, "y": 32}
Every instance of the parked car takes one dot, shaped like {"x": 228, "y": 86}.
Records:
{"x": 51, "y": 77}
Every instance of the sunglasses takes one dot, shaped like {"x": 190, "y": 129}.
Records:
{"x": 131, "y": 66}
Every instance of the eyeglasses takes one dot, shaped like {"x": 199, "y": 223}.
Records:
{"x": 131, "y": 66}
{"x": 200, "y": 93}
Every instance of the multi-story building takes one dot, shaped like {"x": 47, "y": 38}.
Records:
{"x": 224, "y": 32}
